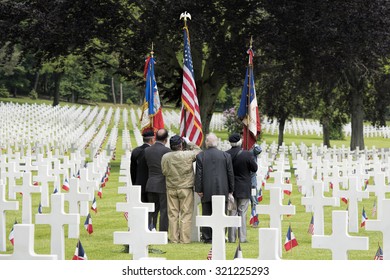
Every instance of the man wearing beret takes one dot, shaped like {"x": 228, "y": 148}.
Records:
{"x": 243, "y": 164}
{"x": 178, "y": 169}
{"x": 138, "y": 167}
{"x": 155, "y": 186}
{"x": 214, "y": 176}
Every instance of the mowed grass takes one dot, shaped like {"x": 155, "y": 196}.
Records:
{"x": 99, "y": 245}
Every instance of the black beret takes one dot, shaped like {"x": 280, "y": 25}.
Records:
{"x": 234, "y": 138}
{"x": 175, "y": 140}
{"x": 148, "y": 133}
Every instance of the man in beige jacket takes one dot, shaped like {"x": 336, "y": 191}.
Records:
{"x": 177, "y": 167}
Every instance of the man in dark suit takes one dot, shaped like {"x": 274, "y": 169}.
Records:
{"x": 243, "y": 164}
{"x": 214, "y": 176}
{"x": 138, "y": 166}
{"x": 155, "y": 186}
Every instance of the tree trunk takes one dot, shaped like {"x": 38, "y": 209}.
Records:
{"x": 36, "y": 81}
{"x": 325, "y": 131}
{"x": 57, "y": 81}
{"x": 282, "y": 123}
{"x": 357, "y": 118}
{"x": 113, "y": 90}
{"x": 121, "y": 93}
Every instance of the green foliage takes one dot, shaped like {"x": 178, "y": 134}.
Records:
{"x": 4, "y": 93}
{"x": 33, "y": 94}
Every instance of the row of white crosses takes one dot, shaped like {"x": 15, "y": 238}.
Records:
{"x": 77, "y": 198}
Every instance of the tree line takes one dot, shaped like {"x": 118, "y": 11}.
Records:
{"x": 323, "y": 59}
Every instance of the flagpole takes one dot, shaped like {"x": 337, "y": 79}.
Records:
{"x": 184, "y": 16}
{"x": 248, "y": 95}
{"x": 151, "y": 117}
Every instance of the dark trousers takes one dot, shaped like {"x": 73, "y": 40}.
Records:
{"x": 160, "y": 206}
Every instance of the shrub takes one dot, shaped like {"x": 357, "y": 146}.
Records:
{"x": 33, "y": 94}
{"x": 4, "y": 93}
{"x": 232, "y": 122}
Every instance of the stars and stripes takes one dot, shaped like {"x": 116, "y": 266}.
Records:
{"x": 248, "y": 111}
{"x": 190, "y": 121}
{"x": 379, "y": 254}
{"x": 79, "y": 253}
{"x": 311, "y": 226}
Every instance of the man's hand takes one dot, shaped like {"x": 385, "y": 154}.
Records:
{"x": 200, "y": 194}
{"x": 186, "y": 139}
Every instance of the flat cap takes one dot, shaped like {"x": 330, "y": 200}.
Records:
{"x": 234, "y": 138}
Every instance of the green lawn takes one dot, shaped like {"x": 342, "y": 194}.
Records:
{"x": 99, "y": 245}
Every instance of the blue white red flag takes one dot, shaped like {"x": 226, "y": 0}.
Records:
{"x": 65, "y": 185}
{"x": 79, "y": 253}
{"x": 379, "y": 254}
{"x": 364, "y": 218}
{"x": 88, "y": 224}
{"x": 94, "y": 206}
{"x": 100, "y": 192}
{"x": 11, "y": 236}
{"x": 260, "y": 195}
{"x": 190, "y": 121}
{"x": 40, "y": 208}
{"x": 290, "y": 241}
{"x": 248, "y": 111}
{"x": 254, "y": 221}
{"x": 151, "y": 111}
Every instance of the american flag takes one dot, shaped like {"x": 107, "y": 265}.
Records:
{"x": 311, "y": 226}
{"x": 190, "y": 122}
{"x": 379, "y": 254}
{"x": 210, "y": 254}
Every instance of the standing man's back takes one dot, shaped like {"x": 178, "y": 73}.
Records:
{"x": 155, "y": 187}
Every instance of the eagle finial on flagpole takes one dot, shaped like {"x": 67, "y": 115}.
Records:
{"x": 184, "y": 16}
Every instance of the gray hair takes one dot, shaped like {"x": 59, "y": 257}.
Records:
{"x": 211, "y": 140}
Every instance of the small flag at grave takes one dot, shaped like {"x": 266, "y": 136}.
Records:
{"x": 100, "y": 192}
{"x": 331, "y": 185}
{"x": 40, "y": 208}
{"x": 35, "y": 183}
{"x": 287, "y": 180}
{"x": 260, "y": 195}
{"x": 108, "y": 170}
{"x": 94, "y": 206}
{"x": 343, "y": 199}
{"x": 88, "y": 224}
{"x": 311, "y": 226}
{"x": 103, "y": 182}
{"x": 210, "y": 254}
{"x": 79, "y": 253}
{"x": 11, "y": 234}
{"x": 374, "y": 209}
{"x": 290, "y": 242}
{"x": 379, "y": 254}
{"x": 238, "y": 253}
{"x": 254, "y": 220}
{"x": 364, "y": 218}
{"x": 287, "y": 192}
{"x": 65, "y": 185}
{"x": 55, "y": 190}
{"x": 365, "y": 184}
{"x": 78, "y": 174}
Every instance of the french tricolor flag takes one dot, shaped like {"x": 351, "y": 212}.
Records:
{"x": 65, "y": 185}
{"x": 290, "y": 242}
{"x": 88, "y": 224}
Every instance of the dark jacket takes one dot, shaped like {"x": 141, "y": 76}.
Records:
{"x": 243, "y": 164}
{"x": 214, "y": 174}
{"x": 156, "y": 180}
{"x": 138, "y": 167}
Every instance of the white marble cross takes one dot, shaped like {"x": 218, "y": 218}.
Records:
{"x": 12, "y": 174}
{"x": 307, "y": 183}
{"x": 133, "y": 196}
{"x": 382, "y": 225}
{"x": 24, "y": 245}
{"x": 317, "y": 203}
{"x": 340, "y": 242}
{"x": 4, "y": 206}
{"x": 218, "y": 221}
{"x": 57, "y": 219}
{"x": 74, "y": 198}
{"x": 26, "y": 189}
{"x": 353, "y": 194}
{"x": 87, "y": 186}
{"x": 44, "y": 178}
{"x": 276, "y": 210}
{"x": 279, "y": 182}
{"x": 139, "y": 236}
{"x": 268, "y": 244}
{"x": 380, "y": 189}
